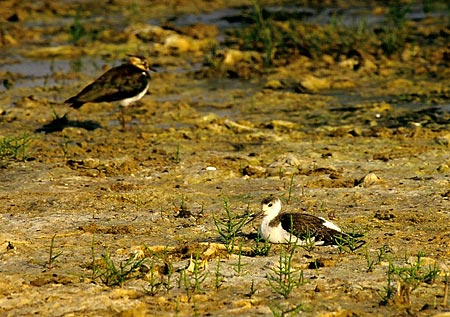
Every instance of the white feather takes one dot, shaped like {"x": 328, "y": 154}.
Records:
{"x": 330, "y": 225}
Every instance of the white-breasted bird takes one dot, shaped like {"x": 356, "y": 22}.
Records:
{"x": 299, "y": 228}
{"x": 125, "y": 84}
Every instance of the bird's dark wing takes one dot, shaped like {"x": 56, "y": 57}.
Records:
{"x": 306, "y": 226}
{"x": 118, "y": 83}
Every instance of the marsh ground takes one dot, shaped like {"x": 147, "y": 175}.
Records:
{"x": 292, "y": 102}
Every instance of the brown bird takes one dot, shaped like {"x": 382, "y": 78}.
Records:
{"x": 299, "y": 228}
{"x": 125, "y": 84}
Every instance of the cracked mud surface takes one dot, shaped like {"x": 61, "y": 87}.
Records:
{"x": 307, "y": 130}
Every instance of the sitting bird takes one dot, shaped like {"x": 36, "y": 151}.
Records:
{"x": 299, "y": 228}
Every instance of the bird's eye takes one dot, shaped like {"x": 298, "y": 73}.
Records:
{"x": 270, "y": 205}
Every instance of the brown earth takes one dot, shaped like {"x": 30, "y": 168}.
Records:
{"x": 365, "y": 146}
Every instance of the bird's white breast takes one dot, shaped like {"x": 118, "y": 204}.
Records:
{"x": 126, "y": 102}
{"x": 274, "y": 234}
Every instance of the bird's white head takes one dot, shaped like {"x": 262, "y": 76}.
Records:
{"x": 271, "y": 207}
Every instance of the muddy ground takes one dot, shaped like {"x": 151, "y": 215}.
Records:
{"x": 356, "y": 131}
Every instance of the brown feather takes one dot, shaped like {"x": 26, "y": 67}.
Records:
{"x": 306, "y": 226}
{"x": 122, "y": 82}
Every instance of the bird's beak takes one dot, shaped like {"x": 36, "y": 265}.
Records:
{"x": 258, "y": 215}
{"x": 151, "y": 69}
{"x": 254, "y": 217}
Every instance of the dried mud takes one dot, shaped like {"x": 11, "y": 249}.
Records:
{"x": 365, "y": 147}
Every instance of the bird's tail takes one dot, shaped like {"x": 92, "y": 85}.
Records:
{"x": 74, "y": 103}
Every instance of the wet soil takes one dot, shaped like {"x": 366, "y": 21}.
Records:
{"x": 360, "y": 138}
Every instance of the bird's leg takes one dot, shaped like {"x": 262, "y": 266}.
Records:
{"x": 122, "y": 117}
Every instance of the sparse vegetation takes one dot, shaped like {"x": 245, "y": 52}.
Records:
{"x": 112, "y": 274}
{"x": 283, "y": 278}
{"x": 76, "y": 30}
{"x": 218, "y": 276}
{"x": 309, "y": 243}
{"x": 287, "y": 38}
{"x": 388, "y": 290}
{"x": 176, "y": 158}
{"x": 230, "y": 226}
{"x": 64, "y": 144}
{"x": 16, "y": 148}
{"x": 408, "y": 278}
{"x": 197, "y": 268}
{"x": 289, "y": 310}
{"x": 261, "y": 248}
{"x": 154, "y": 282}
{"x": 262, "y": 33}
{"x": 253, "y": 289}
{"x": 183, "y": 211}
{"x": 238, "y": 267}
{"x": 393, "y": 35}
{"x": 323, "y": 103}
{"x": 192, "y": 277}
{"x": 168, "y": 270}
{"x": 160, "y": 271}
{"x": 291, "y": 189}
{"x": 380, "y": 256}
{"x": 350, "y": 242}
{"x": 52, "y": 254}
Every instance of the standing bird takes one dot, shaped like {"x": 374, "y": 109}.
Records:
{"x": 302, "y": 229}
{"x": 126, "y": 83}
